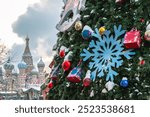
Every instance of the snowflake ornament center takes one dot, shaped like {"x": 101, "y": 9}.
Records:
{"x": 107, "y": 52}
{"x": 107, "y": 55}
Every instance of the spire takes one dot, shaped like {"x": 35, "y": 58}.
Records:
{"x": 27, "y": 50}
{"x": 8, "y": 61}
{"x": 27, "y": 57}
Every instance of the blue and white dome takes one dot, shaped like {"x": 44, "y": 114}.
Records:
{"x": 8, "y": 65}
{"x": 41, "y": 63}
{"x": 22, "y": 65}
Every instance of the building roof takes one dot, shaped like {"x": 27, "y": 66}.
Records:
{"x": 8, "y": 65}
{"x": 22, "y": 65}
{"x": 41, "y": 63}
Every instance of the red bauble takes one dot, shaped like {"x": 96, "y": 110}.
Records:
{"x": 62, "y": 53}
{"x": 50, "y": 85}
{"x": 66, "y": 65}
{"x": 86, "y": 82}
{"x": 142, "y": 62}
{"x": 142, "y": 20}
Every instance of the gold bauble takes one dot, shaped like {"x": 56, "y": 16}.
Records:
{"x": 102, "y": 30}
{"x": 78, "y": 25}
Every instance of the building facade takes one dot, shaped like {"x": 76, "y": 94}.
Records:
{"x": 28, "y": 81}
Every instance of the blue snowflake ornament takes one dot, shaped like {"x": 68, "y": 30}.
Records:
{"x": 106, "y": 53}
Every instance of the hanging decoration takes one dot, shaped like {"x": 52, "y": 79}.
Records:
{"x": 124, "y": 82}
{"x": 87, "y": 79}
{"x": 92, "y": 93}
{"x": 71, "y": 14}
{"x": 75, "y": 75}
{"x": 50, "y": 84}
{"x": 132, "y": 39}
{"x": 142, "y": 61}
{"x": 106, "y": 53}
{"x": 66, "y": 65}
{"x": 142, "y": 20}
{"x": 62, "y": 51}
{"x": 102, "y": 30}
{"x": 109, "y": 85}
{"x": 78, "y": 25}
{"x": 104, "y": 90}
{"x": 52, "y": 64}
{"x": 87, "y": 32}
{"x": 67, "y": 61}
{"x": 54, "y": 73}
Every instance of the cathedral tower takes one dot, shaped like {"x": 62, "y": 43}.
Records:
{"x": 27, "y": 57}
{"x": 8, "y": 66}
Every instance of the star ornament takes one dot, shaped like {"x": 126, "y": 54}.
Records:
{"x": 71, "y": 14}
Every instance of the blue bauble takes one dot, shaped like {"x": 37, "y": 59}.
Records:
{"x": 124, "y": 83}
{"x": 86, "y": 34}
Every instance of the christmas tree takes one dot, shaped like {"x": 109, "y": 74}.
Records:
{"x": 103, "y": 51}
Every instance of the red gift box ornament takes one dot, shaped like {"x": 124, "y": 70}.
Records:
{"x": 132, "y": 39}
{"x": 87, "y": 79}
{"x": 75, "y": 75}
